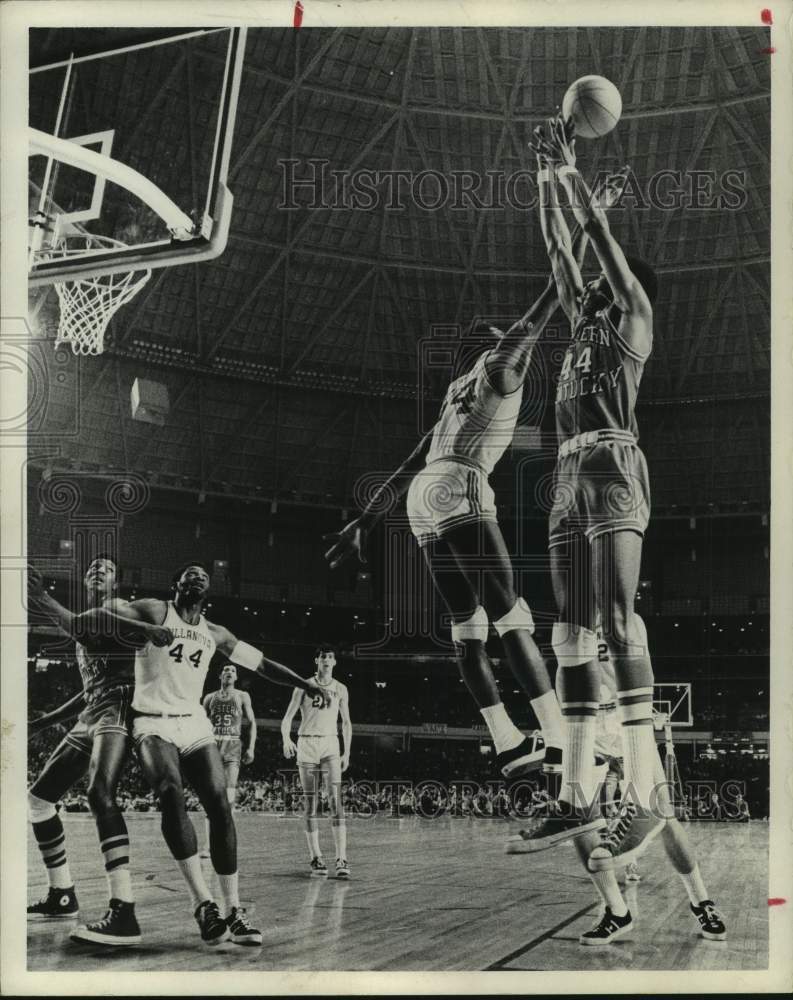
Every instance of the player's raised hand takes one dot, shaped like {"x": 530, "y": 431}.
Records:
{"x": 290, "y": 750}
{"x": 350, "y": 541}
{"x": 541, "y": 147}
{"x": 562, "y": 139}
{"x": 35, "y": 584}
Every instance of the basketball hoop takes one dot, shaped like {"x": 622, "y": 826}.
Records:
{"x": 88, "y": 304}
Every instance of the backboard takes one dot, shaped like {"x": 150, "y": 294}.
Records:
{"x": 132, "y": 144}
{"x": 673, "y": 699}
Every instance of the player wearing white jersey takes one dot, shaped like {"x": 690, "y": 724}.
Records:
{"x": 173, "y": 737}
{"x": 452, "y": 513}
{"x": 319, "y": 757}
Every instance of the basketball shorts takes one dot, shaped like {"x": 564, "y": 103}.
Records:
{"x": 599, "y": 489}
{"x": 187, "y": 733}
{"x": 230, "y": 748}
{"x": 109, "y": 711}
{"x": 445, "y": 495}
{"x": 314, "y": 750}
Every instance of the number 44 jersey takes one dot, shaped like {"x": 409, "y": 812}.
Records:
{"x": 169, "y": 680}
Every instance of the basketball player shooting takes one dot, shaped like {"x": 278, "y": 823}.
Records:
{"x": 226, "y": 709}
{"x": 602, "y": 503}
{"x": 98, "y": 745}
{"x": 173, "y": 736}
{"x": 319, "y": 757}
{"x": 452, "y": 513}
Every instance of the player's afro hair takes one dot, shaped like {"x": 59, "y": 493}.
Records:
{"x": 192, "y": 562}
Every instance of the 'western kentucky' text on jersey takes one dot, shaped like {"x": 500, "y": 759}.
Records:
{"x": 476, "y": 423}
{"x": 109, "y": 666}
{"x": 225, "y": 714}
{"x": 599, "y": 380}
{"x": 316, "y": 720}
{"x": 170, "y": 679}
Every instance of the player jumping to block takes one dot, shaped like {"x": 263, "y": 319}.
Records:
{"x": 173, "y": 737}
{"x": 319, "y": 757}
{"x": 452, "y": 513}
{"x": 602, "y": 498}
{"x": 226, "y": 709}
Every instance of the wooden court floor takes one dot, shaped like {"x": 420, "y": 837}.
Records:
{"x": 433, "y": 895}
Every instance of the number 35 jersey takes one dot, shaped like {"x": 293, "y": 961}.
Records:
{"x": 476, "y": 423}
{"x": 169, "y": 680}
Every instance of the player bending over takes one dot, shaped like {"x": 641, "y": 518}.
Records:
{"x": 319, "y": 757}
{"x": 96, "y": 745}
{"x": 602, "y": 501}
{"x": 226, "y": 709}
{"x": 174, "y": 737}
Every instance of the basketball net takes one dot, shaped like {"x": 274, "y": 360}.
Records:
{"x": 88, "y": 304}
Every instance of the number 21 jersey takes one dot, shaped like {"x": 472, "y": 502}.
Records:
{"x": 169, "y": 680}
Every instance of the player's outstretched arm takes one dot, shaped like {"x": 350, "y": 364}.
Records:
{"x": 351, "y": 540}
{"x": 247, "y": 711}
{"x": 628, "y": 293}
{"x": 241, "y": 654}
{"x": 558, "y": 242}
{"x": 290, "y": 750}
{"x": 64, "y": 713}
{"x": 41, "y": 601}
{"x": 138, "y": 622}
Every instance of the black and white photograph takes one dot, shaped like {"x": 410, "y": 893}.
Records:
{"x": 396, "y": 562}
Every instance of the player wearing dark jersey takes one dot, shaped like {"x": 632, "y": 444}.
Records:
{"x": 226, "y": 709}
{"x": 97, "y": 745}
{"x": 602, "y": 501}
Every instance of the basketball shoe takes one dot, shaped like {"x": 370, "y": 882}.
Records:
{"x": 318, "y": 867}
{"x": 607, "y": 929}
{"x": 118, "y": 927}
{"x": 711, "y": 925}
{"x": 58, "y": 903}
{"x": 626, "y": 840}
{"x": 213, "y": 927}
{"x": 241, "y": 929}
{"x": 342, "y": 869}
{"x": 552, "y": 830}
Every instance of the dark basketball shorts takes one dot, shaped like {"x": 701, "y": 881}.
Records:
{"x": 599, "y": 489}
{"x": 109, "y": 711}
{"x": 230, "y": 749}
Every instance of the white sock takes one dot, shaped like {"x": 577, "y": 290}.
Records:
{"x": 60, "y": 877}
{"x": 608, "y": 887}
{"x": 340, "y": 838}
{"x": 120, "y": 884}
{"x": 312, "y": 836}
{"x": 640, "y": 752}
{"x": 578, "y": 767}
{"x": 194, "y": 877}
{"x": 229, "y": 892}
{"x": 695, "y": 887}
{"x": 550, "y": 717}
{"x": 505, "y": 733}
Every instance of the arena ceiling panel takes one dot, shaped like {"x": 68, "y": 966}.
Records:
{"x": 292, "y": 361}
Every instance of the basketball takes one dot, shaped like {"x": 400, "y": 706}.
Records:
{"x": 594, "y": 104}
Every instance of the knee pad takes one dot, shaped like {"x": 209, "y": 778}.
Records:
{"x": 474, "y": 627}
{"x": 518, "y": 617}
{"x": 39, "y": 810}
{"x": 573, "y": 645}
